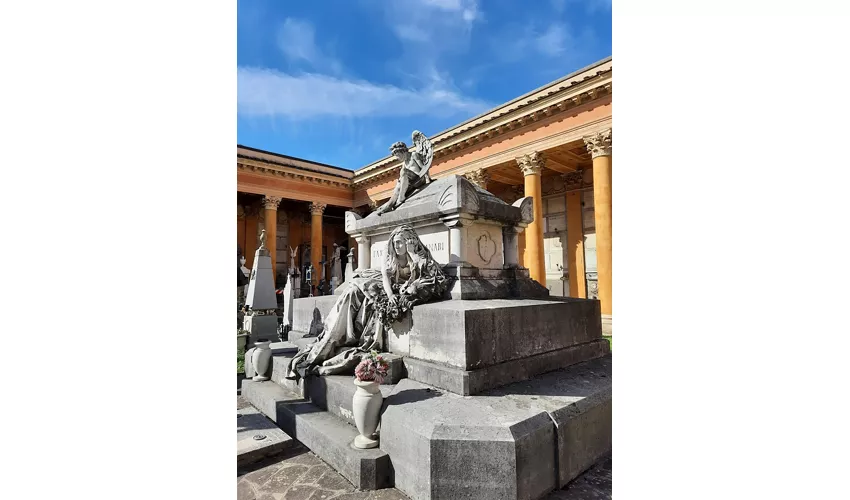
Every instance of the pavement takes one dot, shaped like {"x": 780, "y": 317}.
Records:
{"x": 298, "y": 474}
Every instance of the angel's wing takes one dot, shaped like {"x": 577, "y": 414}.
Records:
{"x": 422, "y": 148}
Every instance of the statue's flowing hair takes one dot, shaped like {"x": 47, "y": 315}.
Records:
{"x": 407, "y": 234}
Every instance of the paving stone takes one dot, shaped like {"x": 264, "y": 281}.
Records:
{"x": 283, "y": 479}
{"x": 331, "y": 480}
{"x": 313, "y": 475}
{"x": 324, "y": 495}
{"x": 298, "y": 492}
{"x": 260, "y": 476}
{"x": 244, "y": 491}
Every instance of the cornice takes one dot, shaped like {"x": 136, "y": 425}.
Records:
{"x": 262, "y": 167}
{"x": 558, "y": 98}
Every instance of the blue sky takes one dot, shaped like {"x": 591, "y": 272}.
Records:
{"x": 338, "y": 81}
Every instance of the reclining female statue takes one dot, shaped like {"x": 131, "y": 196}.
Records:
{"x": 409, "y": 275}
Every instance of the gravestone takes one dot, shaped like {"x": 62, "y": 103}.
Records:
{"x": 261, "y": 318}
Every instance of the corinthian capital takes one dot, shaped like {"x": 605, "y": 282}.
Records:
{"x": 271, "y": 202}
{"x": 478, "y": 177}
{"x": 599, "y": 144}
{"x": 532, "y": 163}
{"x": 317, "y": 208}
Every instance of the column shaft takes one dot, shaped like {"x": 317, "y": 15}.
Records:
{"x": 599, "y": 146}
{"x": 316, "y": 210}
{"x": 271, "y": 203}
{"x": 575, "y": 246}
{"x": 531, "y": 166}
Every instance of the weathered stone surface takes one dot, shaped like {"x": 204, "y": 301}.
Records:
{"x": 474, "y": 334}
{"x": 250, "y": 423}
{"x": 519, "y": 441}
{"x": 469, "y": 382}
{"x": 326, "y": 435}
{"x": 308, "y": 313}
{"x": 595, "y": 484}
{"x": 445, "y": 196}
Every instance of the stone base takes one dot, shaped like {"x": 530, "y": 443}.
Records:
{"x": 260, "y": 327}
{"x": 324, "y": 434}
{"x": 471, "y": 335}
{"x": 517, "y": 442}
{"x": 251, "y": 424}
{"x": 471, "y": 382}
{"x": 606, "y": 324}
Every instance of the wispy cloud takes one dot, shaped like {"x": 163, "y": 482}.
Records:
{"x": 297, "y": 40}
{"x": 533, "y": 42}
{"x": 434, "y": 25}
{"x": 265, "y": 92}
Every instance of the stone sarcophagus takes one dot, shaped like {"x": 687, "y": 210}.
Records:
{"x": 472, "y": 233}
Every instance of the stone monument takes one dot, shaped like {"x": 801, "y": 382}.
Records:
{"x": 261, "y": 314}
{"x": 503, "y": 392}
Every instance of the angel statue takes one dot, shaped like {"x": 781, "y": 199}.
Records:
{"x": 414, "y": 170}
{"x": 409, "y": 275}
{"x": 293, "y": 252}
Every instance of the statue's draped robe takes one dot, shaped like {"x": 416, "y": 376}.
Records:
{"x": 352, "y": 328}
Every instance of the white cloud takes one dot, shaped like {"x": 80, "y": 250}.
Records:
{"x": 553, "y": 41}
{"x": 297, "y": 40}
{"x": 264, "y": 92}
{"x": 439, "y": 23}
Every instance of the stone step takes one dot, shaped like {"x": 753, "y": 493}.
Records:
{"x": 257, "y": 437}
{"x": 333, "y": 393}
{"x": 326, "y": 435}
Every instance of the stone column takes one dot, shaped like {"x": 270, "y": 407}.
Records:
{"x": 271, "y": 203}
{"x": 531, "y": 166}
{"x": 364, "y": 256}
{"x": 316, "y": 210}
{"x": 456, "y": 223}
{"x": 599, "y": 146}
{"x": 510, "y": 239}
{"x": 575, "y": 246}
{"x": 478, "y": 177}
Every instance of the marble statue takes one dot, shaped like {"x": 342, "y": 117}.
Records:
{"x": 263, "y": 239}
{"x": 292, "y": 253}
{"x": 336, "y": 262}
{"x": 377, "y": 298}
{"x": 413, "y": 174}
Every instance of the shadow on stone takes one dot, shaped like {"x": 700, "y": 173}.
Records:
{"x": 316, "y": 325}
{"x": 298, "y": 449}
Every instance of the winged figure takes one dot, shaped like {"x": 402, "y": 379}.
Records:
{"x": 413, "y": 174}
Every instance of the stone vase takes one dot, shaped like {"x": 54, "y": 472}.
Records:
{"x": 366, "y": 405}
{"x": 261, "y": 360}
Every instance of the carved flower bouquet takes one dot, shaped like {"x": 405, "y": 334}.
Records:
{"x": 388, "y": 311}
{"x": 372, "y": 368}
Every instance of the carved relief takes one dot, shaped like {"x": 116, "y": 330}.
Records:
{"x": 573, "y": 180}
{"x": 599, "y": 144}
{"x": 448, "y": 198}
{"x": 486, "y": 247}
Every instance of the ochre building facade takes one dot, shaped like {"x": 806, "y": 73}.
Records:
{"x": 553, "y": 144}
